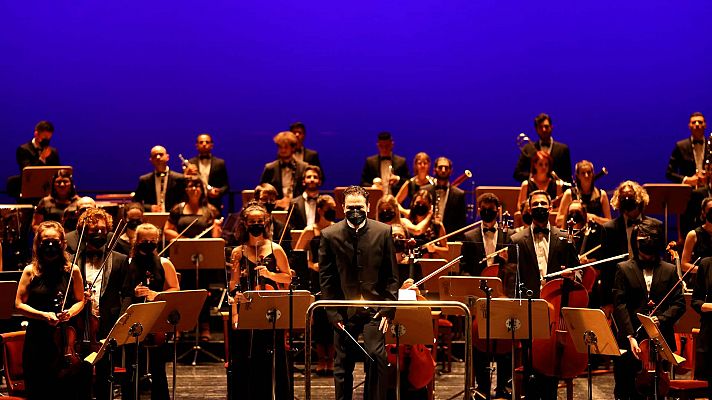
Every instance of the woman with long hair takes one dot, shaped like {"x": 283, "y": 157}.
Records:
{"x": 63, "y": 196}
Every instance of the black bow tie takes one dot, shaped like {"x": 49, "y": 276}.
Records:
{"x": 204, "y": 157}
{"x": 287, "y": 164}
{"x": 385, "y": 158}
{"x": 485, "y": 230}
{"x": 161, "y": 174}
{"x": 538, "y": 229}
{"x": 312, "y": 198}
{"x": 698, "y": 141}
{"x": 634, "y": 222}
{"x": 545, "y": 144}
{"x": 441, "y": 187}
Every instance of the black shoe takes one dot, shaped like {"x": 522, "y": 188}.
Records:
{"x": 502, "y": 394}
{"x": 479, "y": 395}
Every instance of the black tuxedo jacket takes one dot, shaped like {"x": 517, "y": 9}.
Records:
{"x": 631, "y": 296}
{"x": 473, "y": 251}
{"x": 217, "y": 178}
{"x": 28, "y": 156}
{"x": 272, "y": 174}
{"x": 357, "y": 264}
{"x": 702, "y": 293}
{"x": 561, "y": 253}
{"x": 299, "y": 215}
{"x": 146, "y": 190}
{"x": 112, "y": 280}
{"x": 682, "y": 161}
{"x": 455, "y": 214}
{"x": 311, "y": 157}
{"x": 372, "y": 169}
{"x": 559, "y": 152}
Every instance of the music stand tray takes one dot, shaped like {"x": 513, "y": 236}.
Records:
{"x": 411, "y": 322}
{"x": 582, "y": 320}
{"x": 186, "y": 302}
{"x": 295, "y": 234}
{"x": 8, "y": 290}
{"x": 666, "y": 198}
{"x": 36, "y": 180}
{"x": 158, "y": 219}
{"x": 654, "y": 334}
{"x": 466, "y": 289}
{"x": 253, "y": 314}
{"x": 209, "y": 253}
{"x": 428, "y": 266}
{"x": 507, "y": 195}
{"x": 279, "y": 216}
{"x": 503, "y": 311}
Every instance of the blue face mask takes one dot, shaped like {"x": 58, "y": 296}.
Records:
{"x": 356, "y": 216}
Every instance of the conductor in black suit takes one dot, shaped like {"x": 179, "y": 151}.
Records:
{"x": 37, "y": 152}
{"x": 211, "y": 170}
{"x": 386, "y": 166}
{"x": 558, "y": 151}
{"x": 285, "y": 173}
{"x": 301, "y": 153}
{"x": 161, "y": 189}
{"x": 687, "y": 166}
{"x": 449, "y": 201}
{"x": 304, "y": 213}
{"x": 357, "y": 261}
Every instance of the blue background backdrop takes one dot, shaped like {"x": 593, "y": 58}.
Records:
{"x": 454, "y": 78}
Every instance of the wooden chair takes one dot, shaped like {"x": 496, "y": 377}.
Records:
{"x": 689, "y": 388}
{"x": 12, "y": 344}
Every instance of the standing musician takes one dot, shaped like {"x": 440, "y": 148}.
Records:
{"x": 385, "y": 168}
{"x": 595, "y": 200}
{"x": 541, "y": 179}
{"x": 304, "y": 213}
{"x": 559, "y": 152}
{"x": 301, "y": 153}
{"x": 449, "y": 201}
{"x": 161, "y": 189}
{"x": 38, "y": 152}
{"x": 479, "y": 242}
{"x": 211, "y": 169}
{"x": 72, "y": 236}
{"x": 357, "y": 261}
{"x": 257, "y": 264}
{"x": 285, "y": 173}
{"x": 687, "y": 165}
{"x": 640, "y": 285}
{"x": 421, "y": 180}
{"x": 698, "y": 242}
{"x": 133, "y": 215}
{"x": 422, "y": 225}
{"x": 43, "y": 284}
{"x": 702, "y": 303}
{"x": 587, "y": 235}
{"x": 63, "y": 195}
{"x": 540, "y": 250}
{"x": 147, "y": 276}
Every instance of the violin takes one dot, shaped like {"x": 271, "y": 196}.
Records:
{"x": 645, "y": 381}
{"x": 65, "y": 338}
{"x": 88, "y": 324}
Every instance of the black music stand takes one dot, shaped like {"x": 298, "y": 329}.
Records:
{"x": 660, "y": 349}
{"x": 666, "y": 198}
{"x": 181, "y": 310}
{"x": 198, "y": 254}
{"x": 591, "y": 334}
{"x": 133, "y": 325}
{"x": 8, "y": 290}
{"x": 36, "y": 180}
{"x": 406, "y": 328}
{"x": 266, "y": 311}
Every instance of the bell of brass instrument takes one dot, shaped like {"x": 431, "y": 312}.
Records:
{"x": 522, "y": 140}
{"x": 462, "y": 178}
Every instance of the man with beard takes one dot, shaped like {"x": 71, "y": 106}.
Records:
{"x": 304, "y": 213}
{"x": 448, "y": 201}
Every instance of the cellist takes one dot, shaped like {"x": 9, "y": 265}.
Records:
{"x": 640, "y": 286}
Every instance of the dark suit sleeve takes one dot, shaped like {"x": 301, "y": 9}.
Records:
{"x": 140, "y": 194}
{"x": 673, "y": 169}
{"x": 467, "y": 263}
{"x": 521, "y": 171}
{"x": 329, "y": 278}
{"x": 266, "y": 176}
{"x": 676, "y": 300}
{"x": 366, "y": 178}
{"x": 620, "y": 312}
{"x": 388, "y": 274}
{"x": 565, "y": 172}
{"x": 699, "y": 293}
{"x": 221, "y": 177}
{"x": 24, "y": 158}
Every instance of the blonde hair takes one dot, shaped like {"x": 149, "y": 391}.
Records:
{"x": 641, "y": 195}
{"x": 286, "y": 137}
{"x": 44, "y": 226}
{"x": 141, "y": 230}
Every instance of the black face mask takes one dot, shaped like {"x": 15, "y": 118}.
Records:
{"x": 256, "y": 229}
{"x": 269, "y": 207}
{"x": 527, "y": 218}
{"x": 708, "y": 216}
{"x": 49, "y": 249}
{"x": 44, "y": 143}
{"x": 419, "y": 209}
{"x": 386, "y": 215}
{"x": 540, "y": 214}
{"x": 577, "y": 217}
{"x": 98, "y": 240}
{"x": 133, "y": 224}
{"x": 648, "y": 247}
{"x": 488, "y": 214}
{"x": 330, "y": 215}
{"x": 356, "y": 217}
{"x": 146, "y": 248}
{"x": 399, "y": 244}
{"x": 628, "y": 203}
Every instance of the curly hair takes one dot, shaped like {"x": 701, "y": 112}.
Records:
{"x": 641, "y": 195}
{"x": 91, "y": 216}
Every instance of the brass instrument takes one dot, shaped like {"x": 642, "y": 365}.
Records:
{"x": 462, "y": 178}
{"x": 522, "y": 140}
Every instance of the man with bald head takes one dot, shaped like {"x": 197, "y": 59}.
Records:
{"x": 161, "y": 189}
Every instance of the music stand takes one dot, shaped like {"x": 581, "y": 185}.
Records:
{"x": 279, "y": 216}
{"x": 158, "y": 219}
{"x": 406, "y": 328}
{"x": 591, "y": 334}
{"x": 181, "y": 310}
{"x": 454, "y": 249}
{"x": 507, "y": 195}
{"x": 266, "y": 310}
{"x": 198, "y": 254}
{"x": 690, "y": 319}
{"x": 134, "y": 325}
{"x": 374, "y": 195}
{"x": 36, "y": 180}
{"x": 659, "y": 347}
{"x": 666, "y": 198}
{"x": 8, "y": 290}
{"x": 428, "y": 266}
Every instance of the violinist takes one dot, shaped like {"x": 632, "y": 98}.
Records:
{"x": 133, "y": 215}
{"x": 43, "y": 285}
{"x": 421, "y": 180}
{"x": 541, "y": 179}
{"x": 422, "y": 224}
{"x": 585, "y": 236}
{"x": 640, "y": 286}
{"x": 702, "y": 303}
{"x": 595, "y": 200}
{"x": 698, "y": 242}
{"x": 257, "y": 263}
{"x": 72, "y": 236}
{"x": 147, "y": 276}
{"x": 266, "y": 195}
{"x": 63, "y": 195}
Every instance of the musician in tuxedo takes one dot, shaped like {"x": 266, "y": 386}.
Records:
{"x": 540, "y": 250}
{"x": 687, "y": 166}
{"x": 368, "y": 273}
{"x": 211, "y": 170}
{"x": 304, "y": 213}
{"x": 559, "y": 152}
{"x": 285, "y": 173}
{"x": 301, "y": 153}
{"x": 161, "y": 189}
{"x": 385, "y": 167}
{"x": 631, "y": 199}
{"x": 485, "y": 239}
{"x": 641, "y": 285}
{"x": 37, "y": 152}
{"x": 449, "y": 201}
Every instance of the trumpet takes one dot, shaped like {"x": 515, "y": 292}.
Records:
{"x": 462, "y": 178}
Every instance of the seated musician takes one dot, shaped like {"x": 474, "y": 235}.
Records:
{"x": 304, "y": 206}
{"x": 285, "y": 174}
{"x": 147, "y": 276}
{"x": 586, "y": 236}
{"x": 63, "y": 195}
{"x": 133, "y": 216}
{"x": 640, "y": 286}
{"x": 421, "y": 180}
{"x": 541, "y": 179}
{"x": 422, "y": 225}
{"x": 161, "y": 189}
{"x": 698, "y": 242}
{"x": 257, "y": 263}
{"x": 595, "y": 200}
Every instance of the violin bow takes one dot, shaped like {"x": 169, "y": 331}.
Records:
{"x": 180, "y": 235}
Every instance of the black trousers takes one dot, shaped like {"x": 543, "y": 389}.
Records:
{"x": 156, "y": 367}
{"x": 347, "y": 353}
{"x": 503, "y": 369}
{"x": 625, "y": 369}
